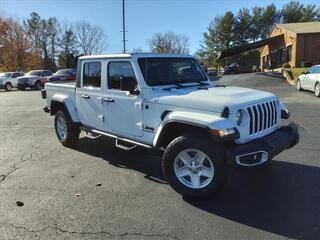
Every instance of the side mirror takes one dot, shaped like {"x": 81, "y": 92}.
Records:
{"x": 128, "y": 84}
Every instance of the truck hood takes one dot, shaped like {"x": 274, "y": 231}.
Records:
{"x": 214, "y": 98}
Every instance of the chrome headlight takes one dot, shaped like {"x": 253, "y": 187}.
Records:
{"x": 238, "y": 117}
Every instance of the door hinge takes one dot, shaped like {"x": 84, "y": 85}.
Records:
{"x": 140, "y": 126}
{"x": 101, "y": 118}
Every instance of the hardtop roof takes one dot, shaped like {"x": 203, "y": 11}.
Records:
{"x": 136, "y": 55}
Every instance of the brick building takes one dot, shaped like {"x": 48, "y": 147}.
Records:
{"x": 291, "y": 43}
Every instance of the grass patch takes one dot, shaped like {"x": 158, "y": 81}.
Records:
{"x": 295, "y": 72}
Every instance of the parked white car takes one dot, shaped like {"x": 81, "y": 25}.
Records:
{"x": 310, "y": 80}
{"x": 33, "y": 79}
{"x": 166, "y": 102}
{"x": 9, "y": 80}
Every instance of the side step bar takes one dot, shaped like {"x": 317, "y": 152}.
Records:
{"x": 118, "y": 139}
{"x": 124, "y": 146}
{"x": 92, "y": 135}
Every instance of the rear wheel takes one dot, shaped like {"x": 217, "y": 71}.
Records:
{"x": 8, "y": 86}
{"x": 317, "y": 90}
{"x": 194, "y": 168}
{"x": 67, "y": 131}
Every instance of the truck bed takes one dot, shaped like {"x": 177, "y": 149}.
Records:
{"x": 62, "y": 89}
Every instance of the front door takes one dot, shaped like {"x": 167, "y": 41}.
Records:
{"x": 88, "y": 96}
{"x": 122, "y": 107}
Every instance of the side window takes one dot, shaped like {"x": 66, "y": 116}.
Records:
{"x": 121, "y": 76}
{"x": 91, "y": 76}
{"x": 15, "y": 75}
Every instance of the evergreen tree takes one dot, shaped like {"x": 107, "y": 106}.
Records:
{"x": 67, "y": 55}
{"x": 292, "y": 12}
{"x": 242, "y": 29}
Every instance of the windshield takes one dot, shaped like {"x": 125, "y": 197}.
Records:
{"x": 167, "y": 71}
{"x": 34, "y": 73}
{"x": 5, "y": 74}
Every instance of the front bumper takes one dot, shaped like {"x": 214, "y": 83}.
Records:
{"x": 263, "y": 149}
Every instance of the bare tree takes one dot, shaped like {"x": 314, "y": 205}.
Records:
{"x": 169, "y": 42}
{"x": 91, "y": 38}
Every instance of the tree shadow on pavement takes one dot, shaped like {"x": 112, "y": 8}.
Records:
{"x": 283, "y": 198}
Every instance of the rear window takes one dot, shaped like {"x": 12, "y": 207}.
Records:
{"x": 91, "y": 75}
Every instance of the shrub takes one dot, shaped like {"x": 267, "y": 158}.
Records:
{"x": 306, "y": 64}
{"x": 286, "y": 65}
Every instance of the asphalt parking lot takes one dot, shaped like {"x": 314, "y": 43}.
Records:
{"x": 61, "y": 200}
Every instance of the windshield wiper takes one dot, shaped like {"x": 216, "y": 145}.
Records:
{"x": 177, "y": 86}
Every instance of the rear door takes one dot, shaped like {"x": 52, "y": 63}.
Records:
{"x": 88, "y": 95}
{"x": 122, "y": 109}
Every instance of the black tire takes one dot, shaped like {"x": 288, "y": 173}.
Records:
{"x": 73, "y": 131}
{"x": 8, "y": 86}
{"x": 37, "y": 85}
{"x": 199, "y": 142}
{"x": 298, "y": 85}
{"x": 317, "y": 90}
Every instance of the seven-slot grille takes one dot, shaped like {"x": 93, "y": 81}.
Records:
{"x": 262, "y": 116}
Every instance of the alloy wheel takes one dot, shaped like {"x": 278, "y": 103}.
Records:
{"x": 194, "y": 168}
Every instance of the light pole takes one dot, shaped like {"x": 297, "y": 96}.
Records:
{"x": 123, "y": 27}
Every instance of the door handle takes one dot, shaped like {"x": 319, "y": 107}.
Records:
{"x": 85, "y": 96}
{"x": 110, "y": 100}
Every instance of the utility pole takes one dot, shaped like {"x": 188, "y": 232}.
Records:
{"x": 123, "y": 27}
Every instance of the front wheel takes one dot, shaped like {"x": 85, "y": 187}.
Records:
{"x": 37, "y": 85}
{"x": 298, "y": 85}
{"x": 66, "y": 130}
{"x": 8, "y": 86}
{"x": 194, "y": 166}
{"x": 317, "y": 90}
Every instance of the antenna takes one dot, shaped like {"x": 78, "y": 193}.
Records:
{"x": 123, "y": 28}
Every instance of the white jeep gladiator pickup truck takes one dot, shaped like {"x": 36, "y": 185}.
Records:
{"x": 166, "y": 102}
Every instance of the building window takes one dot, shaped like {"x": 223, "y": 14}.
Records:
{"x": 92, "y": 74}
{"x": 289, "y": 53}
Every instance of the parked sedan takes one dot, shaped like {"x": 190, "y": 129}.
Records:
{"x": 310, "y": 80}
{"x": 237, "y": 68}
{"x": 9, "y": 80}
{"x": 62, "y": 75}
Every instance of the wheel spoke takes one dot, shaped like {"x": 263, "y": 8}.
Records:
{"x": 182, "y": 172}
{"x": 195, "y": 180}
{"x": 200, "y": 157}
{"x": 206, "y": 172}
{"x": 184, "y": 156}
